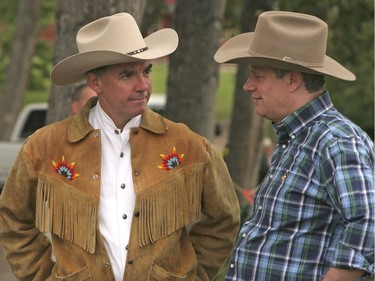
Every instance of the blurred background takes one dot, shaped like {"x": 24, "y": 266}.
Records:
{"x": 36, "y": 34}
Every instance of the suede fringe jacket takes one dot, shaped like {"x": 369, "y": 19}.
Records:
{"x": 186, "y": 215}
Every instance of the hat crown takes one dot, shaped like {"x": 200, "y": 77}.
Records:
{"x": 290, "y": 37}
{"x": 118, "y": 33}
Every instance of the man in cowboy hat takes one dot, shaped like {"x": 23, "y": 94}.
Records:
{"x": 313, "y": 213}
{"x": 125, "y": 193}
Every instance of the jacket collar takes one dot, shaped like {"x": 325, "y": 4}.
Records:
{"x": 79, "y": 127}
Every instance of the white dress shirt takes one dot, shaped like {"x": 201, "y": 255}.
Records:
{"x": 117, "y": 197}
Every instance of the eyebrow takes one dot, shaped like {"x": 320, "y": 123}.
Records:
{"x": 149, "y": 67}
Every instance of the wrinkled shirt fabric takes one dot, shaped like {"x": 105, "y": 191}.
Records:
{"x": 315, "y": 208}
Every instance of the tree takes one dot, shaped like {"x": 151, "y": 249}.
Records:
{"x": 18, "y": 69}
{"x": 193, "y": 74}
{"x": 247, "y": 129}
{"x": 71, "y": 15}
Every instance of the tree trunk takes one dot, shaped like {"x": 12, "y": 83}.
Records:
{"x": 193, "y": 74}
{"x": 247, "y": 129}
{"x": 71, "y": 15}
{"x": 17, "y": 73}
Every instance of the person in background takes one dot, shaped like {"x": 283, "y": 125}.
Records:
{"x": 313, "y": 215}
{"x": 125, "y": 193}
{"x": 80, "y": 95}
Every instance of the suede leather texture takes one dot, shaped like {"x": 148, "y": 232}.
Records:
{"x": 185, "y": 222}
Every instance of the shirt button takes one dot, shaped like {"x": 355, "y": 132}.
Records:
{"x": 95, "y": 176}
{"x": 271, "y": 176}
{"x": 283, "y": 146}
{"x": 127, "y": 247}
{"x": 96, "y": 134}
{"x": 231, "y": 265}
{"x": 107, "y": 264}
{"x": 122, "y": 154}
{"x": 136, "y": 173}
{"x": 243, "y": 235}
{"x": 260, "y": 208}
{"x": 130, "y": 261}
{"x": 135, "y": 132}
{"x": 124, "y": 216}
{"x": 123, "y": 185}
{"x": 292, "y": 136}
{"x": 117, "y": 132}
{"x": 136, "y": 214}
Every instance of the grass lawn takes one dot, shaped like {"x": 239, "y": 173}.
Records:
{"x": 224, "y": 95}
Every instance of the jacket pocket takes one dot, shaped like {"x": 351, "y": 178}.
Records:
{"x": 159, "y": 274}
{"x": 82, "y": 275}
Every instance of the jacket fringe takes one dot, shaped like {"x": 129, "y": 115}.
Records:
{"x": 68, "y": 213}
{"x": 170, "y": 206}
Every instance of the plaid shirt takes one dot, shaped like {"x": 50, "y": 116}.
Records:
{"x": 315, "y": 209}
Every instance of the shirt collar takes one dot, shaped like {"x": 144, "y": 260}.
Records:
{"x": 106, "y": 123}
{"x": 298, "y": 119}
{"x": 80, "y": 127}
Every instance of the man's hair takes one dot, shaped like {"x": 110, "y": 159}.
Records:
{"x": 99, "y": 71}
{"x": 313, "y": 82}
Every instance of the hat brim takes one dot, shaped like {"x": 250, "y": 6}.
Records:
{"x": 73, "y": 69}
{"x": 236, "y": 50}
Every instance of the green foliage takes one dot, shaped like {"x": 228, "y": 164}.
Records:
{"x": 351, "y": 42}
{"x": 8, "y": 11}
{"x": 232, "y": 15}
{"x": 42, "y": 60}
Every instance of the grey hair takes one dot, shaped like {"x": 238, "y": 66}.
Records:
{"x": 99, "y": 71}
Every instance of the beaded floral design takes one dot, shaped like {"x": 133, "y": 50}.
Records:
{"x": 64, "y": 169}
{"x": 170, "y": 161}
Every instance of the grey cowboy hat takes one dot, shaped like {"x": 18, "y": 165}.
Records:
{"x": 285, "y": 40}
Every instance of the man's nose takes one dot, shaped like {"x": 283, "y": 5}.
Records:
{"x": 142, "y": 83}
{"x": 249, "y": 85}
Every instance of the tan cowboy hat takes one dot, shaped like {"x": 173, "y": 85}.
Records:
{"x": 285, "y": 40}
{"x": 112, "y": 40}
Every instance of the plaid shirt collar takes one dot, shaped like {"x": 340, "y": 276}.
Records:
{"x": 298, "y": 119}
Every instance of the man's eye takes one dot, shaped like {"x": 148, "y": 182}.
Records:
{"x": 126, "y": 75}
{"x": 256, "y": 77}
{"x": 148, "y": 70}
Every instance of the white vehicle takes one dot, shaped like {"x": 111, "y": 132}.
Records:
{"x": 33, "y": 117}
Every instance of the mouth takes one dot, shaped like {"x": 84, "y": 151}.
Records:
{"x": 257, "y": 99}
{"x": 139, "y": 98}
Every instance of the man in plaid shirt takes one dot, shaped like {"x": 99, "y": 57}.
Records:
{"x": 313, "y": 216}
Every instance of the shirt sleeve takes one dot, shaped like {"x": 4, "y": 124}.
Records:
{"x": 348, "y": 171}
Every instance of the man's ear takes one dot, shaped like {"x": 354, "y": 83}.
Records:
{"x": 94, "y": 82}
{"x": 295, "y": 80}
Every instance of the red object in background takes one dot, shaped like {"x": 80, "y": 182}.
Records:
{"x": 249, "y": 195}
